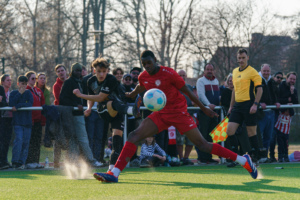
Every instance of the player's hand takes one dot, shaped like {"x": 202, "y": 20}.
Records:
{"x": 129, "y": 95}
{"x": 263, "y": 105}
{"x": 253, "y": 109}
{"x": 229, "y": 110}
{"x": 77, "y": 92}
{"x": 212, "y": 106}
{"x": 292, "y": 88}
{"x": 277, "y": 105}
{"x": 210, "y": 113}
{"x": 80, "y": 107}
{"x": 87, "y": 112}
{"x": 14, "y": 109}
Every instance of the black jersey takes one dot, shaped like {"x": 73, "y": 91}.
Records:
{"x": 110, "y": 86}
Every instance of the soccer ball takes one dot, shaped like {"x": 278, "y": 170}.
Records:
{"x": 155, "y": 99}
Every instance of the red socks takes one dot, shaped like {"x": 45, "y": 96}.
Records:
{"x": 223, "y": 152}
{"x": 125, "y": 156}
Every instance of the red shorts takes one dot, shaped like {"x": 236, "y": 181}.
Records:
{"x": 182, "y": 121}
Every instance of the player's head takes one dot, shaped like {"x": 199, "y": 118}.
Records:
{"x": 209, "y": 70}
{"x": 242, "y": 57}
{"x": 148, "y": 61}
{"x": 265, "y": 71}
{"x": 101, "y": 67}
{"x": 291, "y": 78}
{"x": 182, "y": 74}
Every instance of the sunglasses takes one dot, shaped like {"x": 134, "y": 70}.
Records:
{"x": 135, "y": 73}
{"x": 278, "y": 77}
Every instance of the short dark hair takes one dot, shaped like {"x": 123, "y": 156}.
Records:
{"x": 100, "y": 62}
{"x": 147, "y": 53}
{"x": 242, "y": 50}
{"x": 117, "y": 69}
{"x": 22, "y": 79}
{"x": 278, "y": 73}
{"x": 59, "y": 66}
{"x": 288, "y": 75}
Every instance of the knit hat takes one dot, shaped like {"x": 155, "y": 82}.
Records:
{"x": 76, "y": 66}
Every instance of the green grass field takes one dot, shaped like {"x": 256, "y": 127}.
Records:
{"x": 193, "y": 182}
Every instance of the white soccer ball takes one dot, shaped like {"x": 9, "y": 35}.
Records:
{"x": 155, "y": 99}
{"x": 174, "y": 159}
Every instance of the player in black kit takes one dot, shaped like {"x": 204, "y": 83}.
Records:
{"x": 108, "y": 92}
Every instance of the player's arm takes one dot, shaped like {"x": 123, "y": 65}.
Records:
{"x": 193, "y": 98}
{"x": 88, "y": 111}
{"x": 137, "y": 90}
{"x": 95, "y": 98}
{"x": 259, "y": 92}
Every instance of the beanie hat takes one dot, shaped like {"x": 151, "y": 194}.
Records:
{"x": 76, "y": 66}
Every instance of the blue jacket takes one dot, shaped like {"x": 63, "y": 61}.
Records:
{"x": 18, "y": 100}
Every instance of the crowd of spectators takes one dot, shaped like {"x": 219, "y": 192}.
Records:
{"x": 91, "y": 131}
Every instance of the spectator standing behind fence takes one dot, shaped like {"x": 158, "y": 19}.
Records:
{"x": 209, "y": 94}
{"x": 33, "y": 159}
{"x": 41, "y": 83}
{"x": 5, "y": 121}
{"x": 61, "y": 73}
{"x": 94, "y": 125}
{"x": 278, "y": 76}
{"x": 151, "y": 154}
{"x": 118, "y": 73}
{"x": 22, "y": 122}
{"x": 287, "y": 95}
{"x": 135, "y": 72}
{"x": 67, "y": 98}
{"x": 183, "y": 139}
{"x": 266, "y": 121}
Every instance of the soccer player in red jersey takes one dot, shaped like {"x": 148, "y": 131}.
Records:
{"x": 173, "y": 114}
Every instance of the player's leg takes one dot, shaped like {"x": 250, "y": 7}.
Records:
{"x": 213, "y": 148}
{"x": 251, "y": 130}
{"x": 146, "y": 129}
{"x": 117, "y": 144}
{"x": 118, "y": 106}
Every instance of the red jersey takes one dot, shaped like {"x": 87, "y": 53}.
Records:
{"x": 38, "y": 100}
{"x": 168, "y": 81}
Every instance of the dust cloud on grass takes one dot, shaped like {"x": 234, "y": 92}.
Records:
{"x": 78, "y": 170}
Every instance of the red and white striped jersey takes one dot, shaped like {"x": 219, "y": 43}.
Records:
{"x": 283, "y": 123}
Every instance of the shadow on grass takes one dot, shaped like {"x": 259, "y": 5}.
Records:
{"x": 28, "y": 174}
{"x": 259, "y": 186}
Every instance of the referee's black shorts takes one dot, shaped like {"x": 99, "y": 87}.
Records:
{"x": 241, "y": 113}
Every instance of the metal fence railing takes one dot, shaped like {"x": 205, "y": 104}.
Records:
{"x": 144, "y": 108}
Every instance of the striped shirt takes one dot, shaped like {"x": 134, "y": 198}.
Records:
{"x": 283, "y": 123}
{"x": 148, "y": 151}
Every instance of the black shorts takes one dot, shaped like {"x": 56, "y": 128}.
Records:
{"x": 116, "y": 122}
{"x": 240, "y": 113}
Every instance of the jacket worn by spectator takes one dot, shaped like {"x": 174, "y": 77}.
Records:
{"x": 67, "y": 98}
{"x": 149, "y": 150}
{"x": 18, "y": 100}
{"x": 38, "y": 100}
{"x": 269, "y": 96}
{"x": 208, "y": 90}
{"x": 84, "y": 86}
{"x": 2, "y": 93}
{"x": 285, "y": 93}
{"x": 56, "y": 90}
